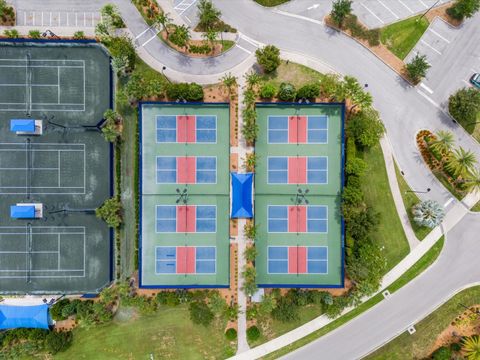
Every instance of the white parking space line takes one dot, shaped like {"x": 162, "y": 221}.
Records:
{"x": 430, "y": 46}
{"x": 242, "y": 48}
{"x": 449, "y": 201}
{"x": 406, "y": 7}
{"x": 390, "y": 10}
{"x": 143, "y": 32}
{"x": 424, "y": 5}
{"x": 440, "y": 36}
{"x": 466, "y": 82}
{"x": 428, "y": 99}
{"x": 186, "y": 18}
{"x": 372, "y": 13}
{"x": 474, "y": 71}
{"x": 426, "y": 88}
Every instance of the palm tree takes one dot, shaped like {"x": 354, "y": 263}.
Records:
{"x": 229, "y": 81}
{"x": 210, "y": 36}
{"x": 472, "y": 180}
{"x": 428, "y": 213}
{"x": 164, "y": 20}
{"x": 208, "y": 14}
{"x": 444, "y": 142}
{"x": 362, "y": 99}
{"x": 471, "y": 347}
{"x": 461, "y": 162}
{"x": 252, "y": 79}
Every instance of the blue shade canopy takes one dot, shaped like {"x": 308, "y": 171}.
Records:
{"x": 22, "y": 212}
{"x": 13, "y": 317}
{"x": 22, "y": 125}
{"x": 242, "y": 195}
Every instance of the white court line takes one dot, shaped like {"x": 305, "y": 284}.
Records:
{"x": 153, "y": 37}
{"x": 35, "y": 169}
{"x": 371, "y": 12}
{"x": 242, "y": 48}
{"x": 390, "y": 10}
{"x": 430, "y": 46}
{"x": 426, "y": 88}
{"x": 58, "y": 83}
{"x": 405, "y": 5}
{"x": 440, "y": 36}
{"x": 59, "y": 166}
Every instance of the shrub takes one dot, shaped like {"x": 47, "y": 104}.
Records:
{"x": 185, "y": 91}
{"x": 463, "y": 9}
{"x": 208, "y": 14}
{"x": 464, "y": 105}
{"x": 366, "y": 127}
{"x": 12, "y": 33}
{"x": 78, "y": 35}
{"x": 34, "y": 34}
{"x": 428, "y": 213}
{"x": 250, "y": 253}
{"x": 352, "y": 195}
{"x": 308, "y": 91}
{"x": 56, "y": 310}
{"x": 268, "y": 58}
{"x": 111, "y": 212}
{"x": 442, "y": 353}
{"x": 456, "y": 347}
{"x": 122, "y": 46}
{"x": 286, "y": 92}
{"x": 58, "y": 341}
{"x": 200, "y": 49}
{"x": 286, "y": 310}
{"x": 111, "y": 14}
{"x": 250, "y": 230}
{"x": 268, "y": 91}
{"x": 253, "y": 333}
{"x": 180, "y": 36}
{"x": 355, "y": 166}
{"x": 417, "y": 68}
{"x": 231, "y": 334}
{"x": 200, "y": 313}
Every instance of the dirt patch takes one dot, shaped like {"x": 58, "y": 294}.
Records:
{"x": 65, "y": 325}
{"x": 125, "y": 314}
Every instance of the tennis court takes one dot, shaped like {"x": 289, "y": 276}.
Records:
{"x": 62, "y": 169}
{"x": 184, "y": 235}
{"x": 298, "y": 184}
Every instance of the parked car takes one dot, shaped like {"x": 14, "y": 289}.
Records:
{"x": 475, "y": 80}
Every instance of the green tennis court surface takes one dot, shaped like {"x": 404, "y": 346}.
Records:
{"x": 298, "y": 183}
{"x": 63, "y": 169}
{"x": 184, "y": 235}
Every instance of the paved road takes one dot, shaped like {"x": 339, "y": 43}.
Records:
{"x": 456, "y": 266}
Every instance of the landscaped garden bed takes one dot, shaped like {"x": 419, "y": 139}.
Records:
{"x": 195, "y": 48}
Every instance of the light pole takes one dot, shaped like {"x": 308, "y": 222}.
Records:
{"x": 430, "y": 8}
{"x": 163, "y": 73}
{"x": 418, "y": 191}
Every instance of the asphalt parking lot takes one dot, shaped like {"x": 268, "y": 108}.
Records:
{"x": 58, "y": 18}
{"x": 187, "y": 9}
{"x": 378, "y": 13}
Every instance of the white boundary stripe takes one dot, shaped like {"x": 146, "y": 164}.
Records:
{"x": 389, "y": 10}
{"x": 426, "y": 88}
{"x": 430, "y": 46}
{"x": 372, "y": 13}
{"x": 242, "y": 48}
{"x": 440, "y": 36}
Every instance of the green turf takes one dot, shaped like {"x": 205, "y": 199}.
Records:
{"x": 296, "y": 74}
{"x": 165, "y": 194}
{"x": 418, "y": 345}
{"x": 390, "y": 234}
{"x": 409, "y": 200}
{"x": 401, "y": 37}
{"x": 227, "y": 45}
{"x": 270, "y": 3}
{"x": 272, "y": 328}
{"x": 420, "y": 266}
{"x": 476, "y": 207}
{"x": 281, "y": 194}
{"x": 166, "y": 334}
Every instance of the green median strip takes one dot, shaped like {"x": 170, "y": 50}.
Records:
{"x": 270, "y": 3}
{"x": 409, "y": 200}
{"x": 422, "y": 264}
{"x": 402, "y": 36}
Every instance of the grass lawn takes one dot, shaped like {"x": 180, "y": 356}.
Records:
{"x": 409, "y": 200}
{"x": 417, "y": 346}
{"x": 227, "y": 44}
{"x": 401, "y": 37}
{"x": 473, "y": 129}
{"x": 476, "y": 207}
{"x": 129, "y": 181}
{"x": 293, "y": 73}
{"x": 271, "y": 329}
{"x": 271, "y": 2}
{"x": 424, "y": 262}
{"x": 165, "y": 334}
{"x": 390, "y": 233}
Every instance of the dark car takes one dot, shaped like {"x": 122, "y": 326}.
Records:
{"x": 475, "y": 80}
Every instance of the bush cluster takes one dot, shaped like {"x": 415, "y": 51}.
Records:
{"x": 16, "y": 343}
{"x": 287, "y": 92}
{"x": 86, "y": 312}
{"x": 200, "y": 49}
{"x": 361, "y": 32}
{"x": 185, "y": 91}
